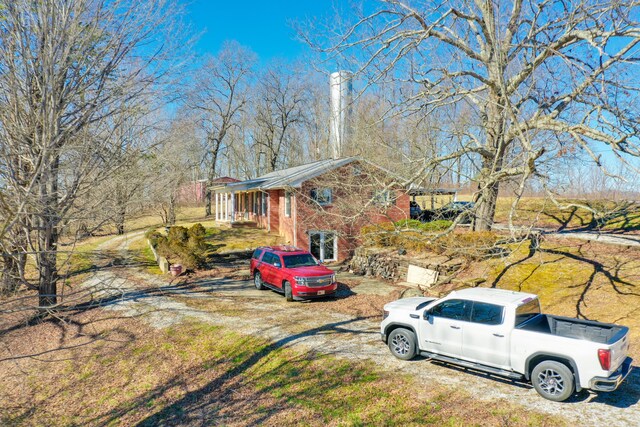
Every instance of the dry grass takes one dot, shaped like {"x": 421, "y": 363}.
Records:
{"x": 122, "y": 373}
{"x": 231, "y": 239}
{"x": 541, "y": 212}
{"x": 141, "y": 248}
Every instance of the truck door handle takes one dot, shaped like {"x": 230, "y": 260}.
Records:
{"x": 455, "y": 327}
{"x": 498, "y": 335}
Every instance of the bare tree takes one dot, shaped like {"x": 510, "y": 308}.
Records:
{"x": 279, "y": 108}
{"x": 170, "y": 166}
{"x": 66, "y": 66}
{"x": 538, "y": 77}
{"x": 219, "y": 95}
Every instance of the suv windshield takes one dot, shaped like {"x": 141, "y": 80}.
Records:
{"x": 302, "y": 260}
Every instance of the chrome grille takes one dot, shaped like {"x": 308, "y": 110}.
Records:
{"x": 319, "y": 281}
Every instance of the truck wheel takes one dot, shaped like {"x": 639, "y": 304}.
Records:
{"x": 553, "y": 380}
{"x": 257, "y": 280}
{"x": 402, "y": 343}
{"x": 288, "y": 293}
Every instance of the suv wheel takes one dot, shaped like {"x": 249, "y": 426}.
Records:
{"x": 257, "y": 281}
{"x": 553, "y": 380}
{"x": 288, "y": 292}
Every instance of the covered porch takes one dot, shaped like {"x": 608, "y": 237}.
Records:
{"x": 231, "y": 205}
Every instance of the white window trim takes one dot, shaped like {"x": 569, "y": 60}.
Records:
{"x": 287, "y": 195}
{"x": 335, "y": 243}
{"x": 389, "y": 199}
{"x": 317, "y": 191}
{"x": 263, "y": 204}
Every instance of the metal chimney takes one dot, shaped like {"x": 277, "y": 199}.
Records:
{"x": 341, "y": 99}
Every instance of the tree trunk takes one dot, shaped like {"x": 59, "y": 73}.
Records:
{"x": 48, "y": 238}
{"x": 171, "y": 214}
{"x": 14, "y": 262}
{"x": 494, "y": 123}
{"x": 212, "y": 175}
{"x": 486, "y": 209}
{"x": 207, "y": 198}
{"x": 120, "y": 220}
{"x": 10, "y": 272}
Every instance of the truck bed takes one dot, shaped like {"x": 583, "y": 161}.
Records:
{"x": 604, "y": 333}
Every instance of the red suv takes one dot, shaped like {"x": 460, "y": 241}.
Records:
{"x": 292, "y": 271}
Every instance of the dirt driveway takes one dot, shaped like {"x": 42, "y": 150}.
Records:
{"x": 236, "y": 304}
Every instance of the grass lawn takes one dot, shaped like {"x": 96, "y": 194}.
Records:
{"x": 118, "y": 371}
{"x": 230, "y": 239}
{"x": 542, "y": 212}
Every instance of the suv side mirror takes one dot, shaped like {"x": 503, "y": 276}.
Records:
{"x": 426, "y": 315}
{"x": 276, "y": 264}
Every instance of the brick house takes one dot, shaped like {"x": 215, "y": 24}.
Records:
{"x": 319, "y": 206}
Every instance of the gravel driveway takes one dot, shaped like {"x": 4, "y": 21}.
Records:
{"x": 298, "y": 325}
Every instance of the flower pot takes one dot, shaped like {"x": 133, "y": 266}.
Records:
{"x": 176, "y": 269}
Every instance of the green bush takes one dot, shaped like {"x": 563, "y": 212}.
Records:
{"x": 408, "y": 223}
{"x": 152, "y": 235}
{"x": 178, "y": 234}
{"x": 439, "y": 225}
{"x": 414, "y": 224}
{"x": 197, "y": 230}
{"x": 184, "y": 246}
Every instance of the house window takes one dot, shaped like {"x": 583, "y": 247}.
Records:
{"x": 383, "y": 197}
{"x": 321, "y": 196}
{"x": 264, "y": 203}
{"x": 254, "y": 200}
{"x": 323, "y": 245}
{"x": 287, "y": 203}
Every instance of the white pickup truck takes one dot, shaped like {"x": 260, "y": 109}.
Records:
{"x": 504, "y": 333}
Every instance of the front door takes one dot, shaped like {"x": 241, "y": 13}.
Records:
{"x": 268, "y": 269}
{"x": 442, "y": 330}
{"x": 323, "y": 245}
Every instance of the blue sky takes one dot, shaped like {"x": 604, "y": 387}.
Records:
{"x": 262, "y": 25}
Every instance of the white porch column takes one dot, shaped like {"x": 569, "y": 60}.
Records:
{"x": 226, "y": 206}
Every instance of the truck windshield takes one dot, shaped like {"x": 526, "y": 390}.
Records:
{"x": 302, "y": 260}
{"x": 527, "y": 310}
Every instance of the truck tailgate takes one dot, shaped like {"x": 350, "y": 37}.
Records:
{"x": 619, "y": 350}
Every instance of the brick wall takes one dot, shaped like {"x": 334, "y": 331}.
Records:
{"x": 274, "y": 210}
{"x": 350, "y": 209}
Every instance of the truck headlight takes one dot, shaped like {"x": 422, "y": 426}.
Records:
{"x": 385, "y": 314}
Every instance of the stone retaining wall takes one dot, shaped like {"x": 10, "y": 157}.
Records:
{"x": 388, "y": 264}
{"x": 163, "y": 263}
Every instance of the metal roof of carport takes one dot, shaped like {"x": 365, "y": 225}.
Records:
{"x": 421, "y": 191}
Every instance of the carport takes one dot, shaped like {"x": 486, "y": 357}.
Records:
{"x": 432, "y": 193}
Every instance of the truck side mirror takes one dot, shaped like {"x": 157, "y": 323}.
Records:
{"x": 426, "y": 315}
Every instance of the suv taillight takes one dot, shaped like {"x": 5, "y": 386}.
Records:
{"x": 604, "y": 356}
